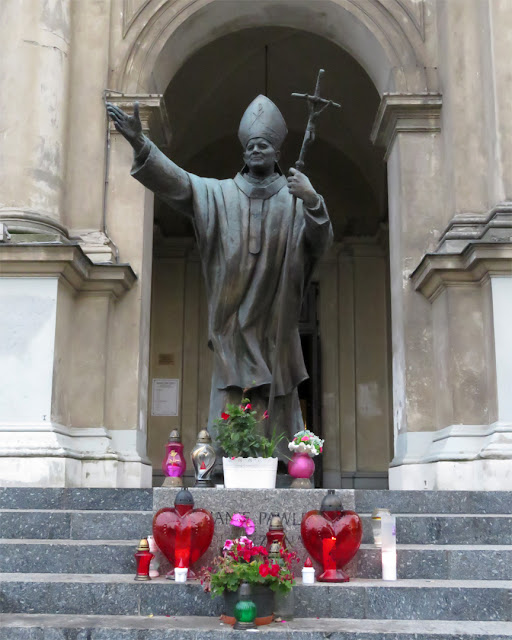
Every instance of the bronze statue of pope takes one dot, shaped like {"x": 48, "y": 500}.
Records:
{"x": 242, "y": 229}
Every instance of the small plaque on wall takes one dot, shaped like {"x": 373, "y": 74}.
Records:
{"x": 164, "y": 397}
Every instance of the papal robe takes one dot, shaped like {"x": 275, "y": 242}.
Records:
{"x": 242, "y": 230}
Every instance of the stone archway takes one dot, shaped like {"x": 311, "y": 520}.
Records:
{"x": 387, "y": 39}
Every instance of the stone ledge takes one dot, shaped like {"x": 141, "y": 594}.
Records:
{"x": 484, "y": 600}
{"x": 68, "y": 263}
{"x": 406, "y": 113}
{"x": 28, "y": 627}
{"x": 439, "y": 562}
{"x": 476, "y": 263}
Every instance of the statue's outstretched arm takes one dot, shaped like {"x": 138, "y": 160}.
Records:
{"x": 151, "y": 167}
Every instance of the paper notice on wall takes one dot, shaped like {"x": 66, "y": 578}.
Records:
{"x": 164, "y": 397}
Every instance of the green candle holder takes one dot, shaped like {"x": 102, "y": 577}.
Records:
{"x": 245, "y": 609}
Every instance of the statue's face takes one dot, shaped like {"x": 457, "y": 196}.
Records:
{"x": 260, "y": 156}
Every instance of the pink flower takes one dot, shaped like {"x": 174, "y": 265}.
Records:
{"x": 225, "y": 416}
{"x": 305, "y": 438}
{"x": 265, "y": 415}
{"x": 249, "y": 527}
{"x": 238, "y": 520}
{"x": 321, "y": 449}
{"x": 227, "y": 545}
{"x": 248, "y": 407}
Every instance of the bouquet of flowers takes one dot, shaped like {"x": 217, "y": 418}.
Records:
{"x": 239, "y": 432}
{"x": 305, "y": 441}
{"x": 243, "y": 561}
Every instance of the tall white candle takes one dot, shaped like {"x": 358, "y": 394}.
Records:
{"x": 388, "y": 532}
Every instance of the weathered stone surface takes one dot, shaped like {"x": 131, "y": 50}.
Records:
{"x": 454, "y": 530}
{"x": 430, "y": 502}
{"x": 67, "y": 556}
{"x": 42, "y": 525}
{"x": 111, "y": 526}
{"x": 47, "y": 498}
{"x": 361, "y": 599}
{"x": 114, "y": 557}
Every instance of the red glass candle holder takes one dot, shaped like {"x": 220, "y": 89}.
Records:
{"x": 143, "y": 557}
{"x": 332, "y": 537}
{"x": 183, "y": 533}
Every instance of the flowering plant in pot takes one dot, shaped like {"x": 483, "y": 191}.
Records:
{"x": 249, "y": 462}
{"x": 243, "y": 561}
{"x": 305, "y": 445}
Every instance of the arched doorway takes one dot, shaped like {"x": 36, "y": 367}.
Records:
{"x": 350, "y": 316}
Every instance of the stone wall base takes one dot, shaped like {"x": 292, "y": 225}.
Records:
{"x": 468, "y": 475}
{"x": 70, "y": 472}
{"x": 52, "y": 455}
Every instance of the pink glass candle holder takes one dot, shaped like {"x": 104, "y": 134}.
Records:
{"x": 301, "y": 467}
{"x": 174, "y": 463}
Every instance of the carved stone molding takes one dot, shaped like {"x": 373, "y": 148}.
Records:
{"x": 472, "y": 266}
{"x": 406, "y": 113}
{"x": 67, "y": 262}
{"x": 465, "y": 228}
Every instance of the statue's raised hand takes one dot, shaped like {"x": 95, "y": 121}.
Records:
{"x": 128, "y": 126}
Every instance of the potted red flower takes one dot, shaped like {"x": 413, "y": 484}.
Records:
{"x": 243, "y": 561}
{"x": 249, "y": 461}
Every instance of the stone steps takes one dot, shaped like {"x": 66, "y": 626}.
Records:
{"x": 120, "y": 595}
{"x": 363, "y": 501}
{"x": 471, "y": 562}
{"x": 60, "y": 627}
{"x": 442, "y": 529}
{"x": 67, "y": 568}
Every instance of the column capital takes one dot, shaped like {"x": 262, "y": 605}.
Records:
{"x": 405, "y": 113}
{"x": 152, "y": 111}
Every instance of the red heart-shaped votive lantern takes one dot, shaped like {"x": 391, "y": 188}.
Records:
{"x": 332, "y": 537}
{"x": 183, "y": 533}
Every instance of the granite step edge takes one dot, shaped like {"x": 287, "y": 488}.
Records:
{"x": 360, "y": 583}
{"x": 194, "y": 628}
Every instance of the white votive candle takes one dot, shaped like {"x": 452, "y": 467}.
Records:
{"x": 180, "y": 575}
{"x": 308, "y": 575}
{"x": 388, "y": 533}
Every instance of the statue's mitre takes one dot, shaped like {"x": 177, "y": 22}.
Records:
{"x": 262, "y": 119}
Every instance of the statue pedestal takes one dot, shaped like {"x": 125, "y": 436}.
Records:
{"x": 259, "y": 505}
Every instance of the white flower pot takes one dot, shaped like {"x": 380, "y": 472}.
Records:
{"x": 249, "y": 473}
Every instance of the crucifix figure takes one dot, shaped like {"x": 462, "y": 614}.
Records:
{"x": 243, "y": 227}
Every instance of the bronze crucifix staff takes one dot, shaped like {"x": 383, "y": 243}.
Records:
{"x": 316, "y": 104}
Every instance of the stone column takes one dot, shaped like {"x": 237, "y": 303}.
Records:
{"x": 34, "y": 66}
{"x": 130, "y": 222}
{"x": 409, "y": 126}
